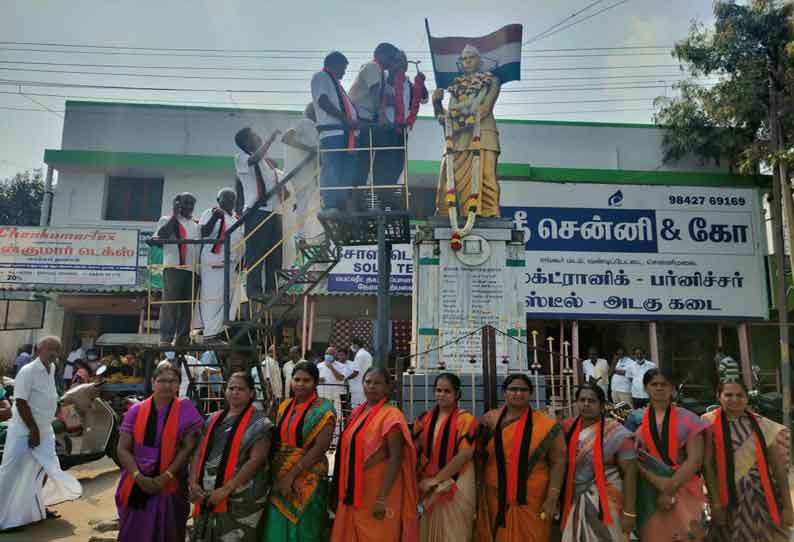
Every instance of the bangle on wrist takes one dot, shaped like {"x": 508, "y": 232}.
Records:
{"x": 169, "y": 474}
{"x": 629, "y": 514}
{"x": 136, "y": 474}
{"x": 554, "y": 489}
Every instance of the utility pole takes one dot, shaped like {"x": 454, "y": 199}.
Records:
{"x": 778, "y": 207}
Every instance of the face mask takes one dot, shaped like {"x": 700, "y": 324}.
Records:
{"x": 328, "y": 358}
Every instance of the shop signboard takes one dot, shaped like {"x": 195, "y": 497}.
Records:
{"x": 64, "y": 255}
{"x": 640, "y": 252}
{"x": 357, "y": 271}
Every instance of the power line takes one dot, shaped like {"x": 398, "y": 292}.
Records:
{"x": 220, "y": 68}
{"x": 35, "y": 101}
{"x": 249, "y": 78}
{"x": 359, "y": 51}
{"x": 611, "y": 6}
{"x": 298, "y": 104}
{"x": 538, "y": 36}
{"x": 547, "y": 88}
{"x": 574, "y": 112}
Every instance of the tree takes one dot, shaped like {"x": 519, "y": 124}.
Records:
{"x": 21, "y": 197}
{"x": 730, "y": 118}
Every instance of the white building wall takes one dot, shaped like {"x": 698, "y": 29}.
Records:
{"x": 175, "y": 130}
{"x": 80, "y": 194}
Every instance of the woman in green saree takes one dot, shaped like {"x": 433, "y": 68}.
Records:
{"x": 298, "y": 510}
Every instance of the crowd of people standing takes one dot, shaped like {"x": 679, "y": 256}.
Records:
{"x": 514, "y": 474}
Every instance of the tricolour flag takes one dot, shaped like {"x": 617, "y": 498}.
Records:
{"x": 500, "y": 52}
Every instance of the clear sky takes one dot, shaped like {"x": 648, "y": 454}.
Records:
{"x": 608, "y": 67}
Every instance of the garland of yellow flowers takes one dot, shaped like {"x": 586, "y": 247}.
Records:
{"x": 473, "y": 202}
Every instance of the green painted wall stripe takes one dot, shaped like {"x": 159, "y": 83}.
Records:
{"x": 91, "y": 103}
{"x": 429, "y": 261}
{"x": 516, "y": 263}
{"x": 59, "y": 157}
{"x": 510, "y": 171}
{"x": 512, "y": 332}
{"x": 428, "y": 331}
{"x": 625, "y": 176}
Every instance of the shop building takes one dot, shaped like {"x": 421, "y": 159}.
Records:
{"x": 120, "y": 164}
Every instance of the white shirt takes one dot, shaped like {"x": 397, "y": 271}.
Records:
{"x": 184, "y": 382}
{"x": 392, "y": 94}
{"x": 287, "y": 372}
{"x": 207, "y": 254}
{"x": 323, "y": 84}
{"x": 330, "y": 387}
{"x": 636, "y": 372}
{"x": 247, "y": 175}
{"x": 621, "y": 383}
{"x": 272, "y": 373}
{"x": 171, "y": 252}
{"x": 368, "y": 76}
{"x": 36, "y": 385}
{"x": 361, "y": 363}
{"x": 598, "y": 371}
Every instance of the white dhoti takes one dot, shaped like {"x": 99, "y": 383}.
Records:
{"x": 209, "y": 310}
{"x": 208, "y": 314}
{"x": 31, "y": 479}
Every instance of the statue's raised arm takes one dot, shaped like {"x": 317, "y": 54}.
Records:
{"x": 468, "y": 182}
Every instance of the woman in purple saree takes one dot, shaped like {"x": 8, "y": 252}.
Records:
{"x": 156, "y": 440}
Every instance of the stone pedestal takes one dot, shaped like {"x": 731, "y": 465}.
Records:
{"x": 455, "y": 293}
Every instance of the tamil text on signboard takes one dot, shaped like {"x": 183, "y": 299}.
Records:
{"x": 91, "y": 256}
{"x": 357, "y": 271}
{"x": 643, "y": 252}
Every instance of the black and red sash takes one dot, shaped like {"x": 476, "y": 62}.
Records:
{"x": 230, "y": 457}
{"x": 347, "y": 108}
{"x": 181, "y": 234}
{"x": 349, "y": 470}
{"x": 572, "y": 441}
{"x": 726, "y": 466}
{"x": 512, "y": 483}
{"x": 144, "y": 433}
{"x": 216, "y": 248}
{"x": 663, "y": 447}
{"x": 290, "y": 431}
{"x": 441, "y": 448}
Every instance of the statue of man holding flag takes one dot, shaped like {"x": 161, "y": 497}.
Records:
{"x": 472, "y": 71}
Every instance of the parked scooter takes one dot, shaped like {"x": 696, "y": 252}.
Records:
{"x": 96, "y": 432}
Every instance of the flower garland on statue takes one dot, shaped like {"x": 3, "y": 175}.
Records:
{"x": 466, "y": 96}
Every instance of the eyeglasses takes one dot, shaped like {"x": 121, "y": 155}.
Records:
{"x": 518, "y": 390}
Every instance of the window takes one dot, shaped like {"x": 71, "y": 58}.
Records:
{"x": 134, "y": 198}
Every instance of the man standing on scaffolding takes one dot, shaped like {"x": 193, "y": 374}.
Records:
{"x": 215, "y": 222}
{"x": 337, "y": 120}
{"x": 179, "y": 266}
{"x": 258, "y": 177}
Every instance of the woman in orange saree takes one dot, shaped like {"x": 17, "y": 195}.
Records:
{"x": 444, "y": 438}
{"x": 375, "y": 471}
{"x": 522, "y": 459}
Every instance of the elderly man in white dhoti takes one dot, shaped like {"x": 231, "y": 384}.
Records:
{"x": 303, "y": 204}
{"x": 30, "y": 475}
{"x": 214, "y": 223}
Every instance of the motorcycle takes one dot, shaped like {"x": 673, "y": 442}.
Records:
{"x": 93, "y": 430}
